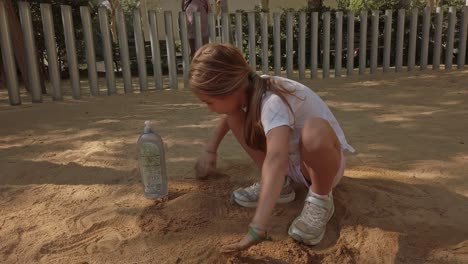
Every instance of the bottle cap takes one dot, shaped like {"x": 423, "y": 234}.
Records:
{"x": 147, "y": 127}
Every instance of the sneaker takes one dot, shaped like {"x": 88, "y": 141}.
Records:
{"x": 309, "y": 226}
{"x": 248, "y": 197}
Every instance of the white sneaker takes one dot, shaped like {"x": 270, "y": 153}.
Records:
{"x": 309, "y": 226}
{"x": 248, "y": 196}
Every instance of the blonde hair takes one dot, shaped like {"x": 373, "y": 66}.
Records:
{"x": 218, "y": 70}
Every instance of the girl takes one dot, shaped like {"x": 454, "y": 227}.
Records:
{"x": 284, "y": 127}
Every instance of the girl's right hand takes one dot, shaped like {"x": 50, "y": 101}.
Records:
{"x": 206, "y": 164}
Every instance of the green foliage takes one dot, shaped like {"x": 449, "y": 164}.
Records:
{"x": 382, "y": 5}
{"x": 283, "y": 27}
{"x": 360, "y": 5}
{"x": 58, "y": 27}
{"x": 93, "y": 5}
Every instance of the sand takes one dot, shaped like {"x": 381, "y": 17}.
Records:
{"x": 70, "y": 191}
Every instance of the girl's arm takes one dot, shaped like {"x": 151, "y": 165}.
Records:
{"x": 274, "y": 169}
{"x": 221, "y": 130}
{"x": 207, "y": 160}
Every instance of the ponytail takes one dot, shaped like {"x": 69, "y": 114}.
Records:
{"x": 253, "y": 131}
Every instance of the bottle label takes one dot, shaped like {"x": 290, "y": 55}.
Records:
{"x": 150, "y": 167}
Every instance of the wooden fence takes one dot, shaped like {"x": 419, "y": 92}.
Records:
{"x": 351, "y": 48}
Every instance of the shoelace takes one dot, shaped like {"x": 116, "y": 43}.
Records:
{"x": 315, "y": 215}
{"x": 255, "y": 188}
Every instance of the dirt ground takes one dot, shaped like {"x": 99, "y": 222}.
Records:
{"x": 70, "y": 191}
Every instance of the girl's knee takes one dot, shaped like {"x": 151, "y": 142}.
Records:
{"x": 317, "y": 135}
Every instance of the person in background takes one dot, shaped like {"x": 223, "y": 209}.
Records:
{"x": 203, "y": 7}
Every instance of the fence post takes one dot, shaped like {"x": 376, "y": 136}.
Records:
{"x": 326, "y": 45}
{"x": 212, "y": 27}
{"x": 140, "y": 50}
{"x": 31, "y": 57}
{"x": 107, "y": 44}
{"x": 277, "y": 42}
{"x": 314, "y": 45}
{"x": 463, "y": 36}
{"x": 363, "y": 42}
{"x": 239, "y": 38}
{"x": 375, "y": 42}
{"x": 452, "y": 19}
{"x": 437, "y": 38}
{"x": 338, "y": 42}
{"x": 252, "y": 53}
{"x": 71, "y": 50}
{"x": 289, "y": 45}
{"x": 302, "y": 41}
{"x": 412, "y": 39}
{"x": 387, "y": 40}
{"x": 90, "y": 52}
{"x": 225, "y": 27}
{"x": 425, "y": 37}
{"x": 264, "y": 25}
{"x": 400, "y": 40}
{"x": 123, "y": 46}
{"x": 185, "y": 46}
{"x": 155, "y": 49}
{"x": 8, "y": 58}
{"x": 171, "y": 56}
{"x": 198, "y": 34}
{"x": 350, "y": 44}
{"x": 51, "y": 48}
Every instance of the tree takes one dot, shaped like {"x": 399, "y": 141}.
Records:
{"x": 433, "y": 4}
{"x": 114, "y": 7}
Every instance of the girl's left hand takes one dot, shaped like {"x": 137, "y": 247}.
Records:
{"x": 206, "y": 164}
{"x": 250, "y": 239}
{"x": 243, "y": 244}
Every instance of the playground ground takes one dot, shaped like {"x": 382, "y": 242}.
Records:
{"x": 70, "y": 191}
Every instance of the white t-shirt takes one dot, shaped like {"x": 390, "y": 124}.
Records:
{"x": 305, "y": 104}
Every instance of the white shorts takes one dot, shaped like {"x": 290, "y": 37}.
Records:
{"x": 295, "y": 173}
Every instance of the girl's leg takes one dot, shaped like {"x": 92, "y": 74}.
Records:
{"x": 236, "y": 122}
{"x": 321, "y": 154}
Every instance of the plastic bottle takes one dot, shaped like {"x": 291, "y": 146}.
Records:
{"x": 152, "y": 163}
